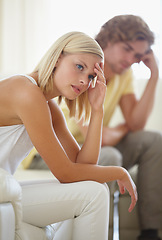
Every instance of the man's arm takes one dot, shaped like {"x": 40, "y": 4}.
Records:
{"x": 110, "y": 136}
{"x": 136, "y": 112}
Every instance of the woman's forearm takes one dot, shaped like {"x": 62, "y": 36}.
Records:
{"x": 90, "y": 150}
{"x": 89, "y": 172}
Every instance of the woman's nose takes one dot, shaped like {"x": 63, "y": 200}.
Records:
{"x": 84, "y": 81}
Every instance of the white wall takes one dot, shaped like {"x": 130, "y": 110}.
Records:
{"x": 29, "y": 27}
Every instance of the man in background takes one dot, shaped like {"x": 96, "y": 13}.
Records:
{"x": 125, "y": 40}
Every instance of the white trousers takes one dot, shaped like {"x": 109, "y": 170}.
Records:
{"x": 87, "y": 203}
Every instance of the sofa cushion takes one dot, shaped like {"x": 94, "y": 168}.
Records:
{"x": 30, "y": 232}
{"x": 7, "y": 221}
{"x": 10, "y": 191}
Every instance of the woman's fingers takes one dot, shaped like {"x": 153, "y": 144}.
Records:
{"x": 134, "y": 198}
{"x": 100, "y": 74}
{"x": 133, "y": 202}
{"x": 131, "y": 188}
{"x": 102, "y": 66}
{"x": 121, "y": 187}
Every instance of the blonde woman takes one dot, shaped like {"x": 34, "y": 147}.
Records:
{"x": 30, "y": 117}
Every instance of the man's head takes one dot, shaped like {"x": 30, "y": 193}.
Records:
{"x": 125, "y": 39}
{"x": 124, "y": 28}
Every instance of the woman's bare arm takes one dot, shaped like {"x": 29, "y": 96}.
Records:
{"x": 34, "y": 112}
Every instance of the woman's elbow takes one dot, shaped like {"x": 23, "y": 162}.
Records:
{"x": 64, "y": 178}
{"x": 66, "y": 175}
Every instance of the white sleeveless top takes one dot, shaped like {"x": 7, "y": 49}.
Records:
{"x": 15, "y": 144}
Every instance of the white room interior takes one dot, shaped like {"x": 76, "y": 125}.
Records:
{"x": 29, "y": 27}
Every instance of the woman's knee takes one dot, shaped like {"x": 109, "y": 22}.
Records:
{"x": 98, "y": 193}
{"x": 94, "y": 213}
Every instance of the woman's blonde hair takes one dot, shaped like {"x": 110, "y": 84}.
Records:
{"x": 70, "y": 43}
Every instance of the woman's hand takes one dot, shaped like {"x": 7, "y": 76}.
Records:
{"x": 127, "y": 183}
{"x": 97, "y": 94}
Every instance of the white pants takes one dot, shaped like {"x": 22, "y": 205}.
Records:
{"x": 87, "y": 203}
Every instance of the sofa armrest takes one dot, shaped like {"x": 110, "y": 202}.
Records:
{"x": 10, "y": 192}
{"x": 7, "y": 221}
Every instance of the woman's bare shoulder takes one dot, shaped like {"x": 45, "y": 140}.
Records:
{"x": 16, "y": 83}
{"x": 16, "y": 94}
{"x": 24, "y": 90}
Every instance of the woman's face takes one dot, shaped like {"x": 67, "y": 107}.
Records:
{"x": 74, "y": 73}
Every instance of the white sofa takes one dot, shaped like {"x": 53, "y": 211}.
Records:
{"x": 11, "y": 225}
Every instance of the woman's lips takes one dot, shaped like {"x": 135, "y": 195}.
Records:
{"x": 76, "y": 89}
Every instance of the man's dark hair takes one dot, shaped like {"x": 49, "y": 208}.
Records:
{"x": 124, "y": 28}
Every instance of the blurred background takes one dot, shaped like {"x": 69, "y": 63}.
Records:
{"x": 29, "y": 27}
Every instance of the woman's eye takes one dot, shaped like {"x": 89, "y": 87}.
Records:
{"x": 91, "y": 77}
{"x": 80, "y": 67}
